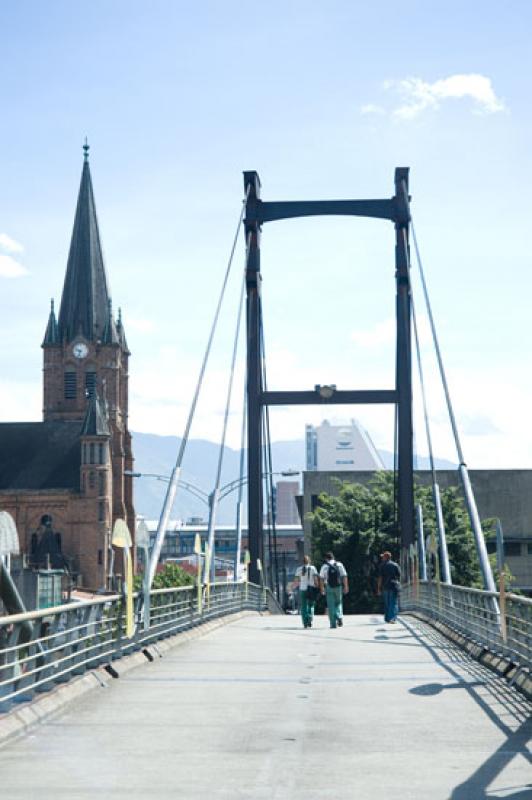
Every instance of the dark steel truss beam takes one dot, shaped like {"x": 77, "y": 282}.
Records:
{"x": 338, "y": 397}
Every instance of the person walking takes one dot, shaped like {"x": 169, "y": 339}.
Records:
{"x": 307, "y": 579}
{"x": 334, "y": 584}
{"x": 388, "y": 584}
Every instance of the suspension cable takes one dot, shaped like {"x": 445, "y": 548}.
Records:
{"x": 215, "y": 493}
{"x": 441, "y": 367}
{"x": 174, "y": 479}
{"x": 269, "y": 460}
{"x": 487, "y": 573}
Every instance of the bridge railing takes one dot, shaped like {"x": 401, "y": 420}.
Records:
{"x": 41, "y": 649}
{"x": 504, "y": 627}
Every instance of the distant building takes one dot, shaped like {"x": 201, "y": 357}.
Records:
{"x": 286, "y": 507}
{"x": 63, "y": 479}
{"x": 179, "y": 542}
{"x": 340, "y": 447}
{"x": 502, "y": 493}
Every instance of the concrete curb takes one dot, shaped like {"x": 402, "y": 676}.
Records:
{"x": 515, "y": 675}
{"x": 23, "y": 718}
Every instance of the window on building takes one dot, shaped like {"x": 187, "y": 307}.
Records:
{"x": 101, "y": 453}
{"x": 512, "y": 548}
{"x": 91, "y": 453}
{"x": 71, "y": 385}
{"x": 529, "y": 549}
{"x": 83, "y": 482}
{"x": 101, "y": 482}
{"x": 92, "y": 479}
{"x": 100, "y": 557}
{"x": 90, "y": 384}
{"x": 101, "y": 512}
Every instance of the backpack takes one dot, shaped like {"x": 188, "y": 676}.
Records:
{"x": 333, "y": 576}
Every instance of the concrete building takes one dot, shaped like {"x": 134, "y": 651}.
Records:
{"x": 286, "y": 507}
{"x": 504, "y": 493}
{"x": 63, "y": 479}
{"x": 340, "y": 447}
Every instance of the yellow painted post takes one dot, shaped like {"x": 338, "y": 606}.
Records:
{"x": 207, "y": 574}
{"x": 122, "y": 538}
{"x": 197, "y": 550}
{"x": 502, "y": 605}
{"x": 247, "y": 559}
{"x": 259, "y": 568}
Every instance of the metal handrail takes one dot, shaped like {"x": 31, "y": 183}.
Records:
{"x": 70, "y": 639}
{"x": 472, "y": 613}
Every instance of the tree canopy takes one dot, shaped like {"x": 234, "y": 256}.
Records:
{"x": 359, "y": 523}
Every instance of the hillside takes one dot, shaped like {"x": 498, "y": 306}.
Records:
{"x": 156, "y": 455}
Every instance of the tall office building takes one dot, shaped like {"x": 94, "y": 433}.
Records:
{"x": 336, "y": 448}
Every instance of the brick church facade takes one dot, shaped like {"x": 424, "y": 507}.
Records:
{"x": 68, "y": 470}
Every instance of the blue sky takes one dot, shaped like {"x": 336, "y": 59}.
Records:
{"x": 324, "y": 100}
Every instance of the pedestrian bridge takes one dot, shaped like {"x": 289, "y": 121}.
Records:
{"x": 249, "y": 705}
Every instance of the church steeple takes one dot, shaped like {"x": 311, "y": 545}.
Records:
{"x": 51, "y": 336}
{"x": 85, "y": 300}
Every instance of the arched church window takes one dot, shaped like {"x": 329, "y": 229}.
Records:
{"x": 101, "y": 453}
{"x": 91, "y": 453}
{"x": 71, "y": 385}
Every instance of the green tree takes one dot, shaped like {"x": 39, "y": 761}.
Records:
{"x": 169, "y": 577}
{"x": 360, "y": 522}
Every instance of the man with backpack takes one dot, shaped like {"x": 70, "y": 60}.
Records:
{"x": 334, "y": 584}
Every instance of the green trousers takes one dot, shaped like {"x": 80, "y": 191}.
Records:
{"x": 334, "y": 604}
{"x": 307, "y": 608}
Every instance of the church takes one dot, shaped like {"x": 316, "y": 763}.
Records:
{"x": 67, "y": 474}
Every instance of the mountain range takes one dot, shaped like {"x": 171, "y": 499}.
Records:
{"x": 155, "y": 456}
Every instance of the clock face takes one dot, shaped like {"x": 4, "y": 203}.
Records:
{"x": 80, "y": 350}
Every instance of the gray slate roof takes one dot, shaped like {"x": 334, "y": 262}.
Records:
{"x": 39, "y": 455}
{"x": 85, "y": 301}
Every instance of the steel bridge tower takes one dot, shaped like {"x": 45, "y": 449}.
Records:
{"x": 259, "y": 212}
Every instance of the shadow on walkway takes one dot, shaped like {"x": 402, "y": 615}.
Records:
{"x": 490, "y": 692}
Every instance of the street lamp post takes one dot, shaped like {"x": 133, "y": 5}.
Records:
{"x": 211, "y": 501}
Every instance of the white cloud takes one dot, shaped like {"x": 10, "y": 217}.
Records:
{"x": 9, "y": 268}
{"x": 10, "y": 245}
{"x": 371, "y": 108}
{"x": 419, "y": 95}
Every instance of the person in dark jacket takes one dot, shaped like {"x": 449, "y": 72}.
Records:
{"x": 388, "y": 585}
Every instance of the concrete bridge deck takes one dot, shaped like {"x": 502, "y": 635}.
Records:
{"x": 264, "y": 710}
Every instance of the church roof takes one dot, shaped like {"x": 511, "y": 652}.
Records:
{"x": 85, "y": 300}
{"x": 96, "y": 422}
{"x": 39, "y": 455}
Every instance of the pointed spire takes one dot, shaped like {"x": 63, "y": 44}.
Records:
{"x": 96, "y": 422}
{"x": 121, "y": 331}
{"x": 110, "y": 333}
{"x": 51, "y": 335}
{"x": 84, "y": 304}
